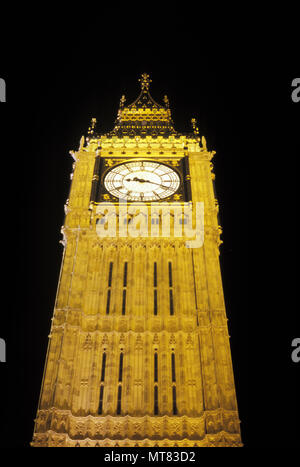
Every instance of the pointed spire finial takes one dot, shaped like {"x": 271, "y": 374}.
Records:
{"x": 91, "y": 128}
{"x": 166, "y": 101}
{"x": 194, "y": 125}
{"x": 81, "y": 143}
{"x": 122, "y": 101}
{"x": 145, "y": 81}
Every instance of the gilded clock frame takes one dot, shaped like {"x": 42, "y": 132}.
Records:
{"x": 179, "y": 165}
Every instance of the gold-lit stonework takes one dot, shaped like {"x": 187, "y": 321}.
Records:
{"x": 139, "y": 351}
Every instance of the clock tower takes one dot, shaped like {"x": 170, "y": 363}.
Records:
{"x": 139, "y": 351}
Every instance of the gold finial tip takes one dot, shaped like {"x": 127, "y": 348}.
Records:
{"x": 91, "y": 128}
{"x": 194, "y": 125}
{"x": 145, "y": 81}
{"x": 122, "y": 101}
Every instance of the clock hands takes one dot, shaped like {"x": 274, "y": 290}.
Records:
{"x": 159, "y": 184}
{"x": 135, "y": 179}
{"x": 141, "y": 180}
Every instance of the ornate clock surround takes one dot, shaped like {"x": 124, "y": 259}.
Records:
{"x": 103, "y": 165}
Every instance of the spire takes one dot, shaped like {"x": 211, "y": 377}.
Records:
{"x": 144, "y": 117}
{"x": 144, "y": 99}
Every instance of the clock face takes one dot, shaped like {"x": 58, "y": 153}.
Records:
{"x": 142, "y": 181}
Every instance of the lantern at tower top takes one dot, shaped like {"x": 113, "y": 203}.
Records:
{"x": 145, "y": 117}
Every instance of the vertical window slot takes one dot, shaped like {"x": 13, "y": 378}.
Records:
{"x": 155, "y": 302}
{"x": 125, "y": 275}
{"x": 174, "y": 400}
{"x": 119, "y": 400}
{"x": 173, "y": 367}
{"x": 124, "y": 302}
{"x": 155, "y": 275}
{"x": 155, "y": 400}
{"x": 108, "y": 302}
{"x": 171, "y": 302}
{"x": 155, "y": 368}
{"x": 110, "y": 274}
{"x": 101, "y": 400}
{"x": 121, "y": 367}
{"x": 103, "y": 366}
{"x": 170, "y": 275}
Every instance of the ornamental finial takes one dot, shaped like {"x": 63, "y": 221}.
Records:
{"x": 91, "y": 128}
{"x": 122, "y": 101}
{"x": 145, "y": 81}
{"x": 166, "y": 101}
{"x": 194, "y": 125}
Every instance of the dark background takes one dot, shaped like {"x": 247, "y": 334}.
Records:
{"x": 236, "y": 81}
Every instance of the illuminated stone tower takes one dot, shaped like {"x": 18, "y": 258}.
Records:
{"x": 139, "y": 350}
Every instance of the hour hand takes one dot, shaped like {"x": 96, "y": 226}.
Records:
{"x": 135, "y": 179}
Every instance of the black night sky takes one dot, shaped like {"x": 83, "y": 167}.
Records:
{"x": 59, "y": 77}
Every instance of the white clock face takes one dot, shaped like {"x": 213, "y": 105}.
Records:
{"x": 142, "y": 181}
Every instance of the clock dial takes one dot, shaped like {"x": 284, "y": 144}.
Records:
{"x": 142, "y": 181}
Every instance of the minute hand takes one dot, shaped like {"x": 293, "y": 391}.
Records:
{"x": 159, "y": 184}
